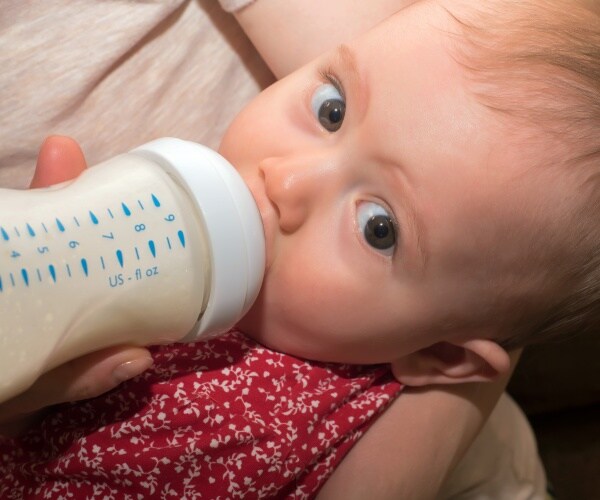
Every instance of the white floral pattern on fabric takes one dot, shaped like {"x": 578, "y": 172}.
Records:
{"x": 226, "y": 418}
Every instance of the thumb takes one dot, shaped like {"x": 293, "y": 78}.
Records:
{"x": 60, "y": 159}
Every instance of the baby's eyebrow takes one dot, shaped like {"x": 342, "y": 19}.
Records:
{"x": 418, "y": 231}
{"x": 346, "y": 60}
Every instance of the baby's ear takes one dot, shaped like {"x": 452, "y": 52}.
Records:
{"x": 476, "y": 360}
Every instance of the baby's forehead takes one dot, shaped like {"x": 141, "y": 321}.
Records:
{"x": 535, "y": 69}
{"x": 530, "y": 59}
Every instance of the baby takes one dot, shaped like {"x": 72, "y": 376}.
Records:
{"x": 433, "y": 186}
{"x": 414, "y": 185}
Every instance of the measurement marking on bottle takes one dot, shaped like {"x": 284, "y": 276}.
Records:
{"x": 68, "y": 270}
{"x": 5, "y": 236}
{"x": 169, "y": 242}
{"x": 141, "y": 204}
{"x": 25, "y": 276}
{"x": 1, "y": 284}
{"x": 17, "y": 232}
{"x": 60, "y": 226}
{"x": 39, "y": 275}
{"x": 137, "y": 253}
{"x": 126, "y": 210}
{"x": 110, "y": 214}
{"x": 84, "y": 266}
{"x": 12, "y": 279}
{"x": 30, "y": 230}
{"x": 93, "y": 218}
{"x": 102, "y": 262}
{"x": 52, "y": 272}
{"x": 76, "y": 221}
{"x": 152, "y": 248}
{"x": 44, "y": 227}
{"x": 120, "y": 257}
{"x": 155, "y": 201}
{"x": 181, "y": 237}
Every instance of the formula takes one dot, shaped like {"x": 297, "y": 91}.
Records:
{"x": 159, "y": 245}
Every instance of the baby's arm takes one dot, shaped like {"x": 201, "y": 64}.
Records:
{"x": 290, "y": 33}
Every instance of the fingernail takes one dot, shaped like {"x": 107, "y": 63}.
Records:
{"x": 130, "y": 369}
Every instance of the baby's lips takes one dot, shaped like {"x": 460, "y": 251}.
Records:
{"x": 267, "y": 214}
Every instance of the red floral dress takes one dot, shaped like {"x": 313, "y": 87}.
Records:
{"x": 226, "y": 418}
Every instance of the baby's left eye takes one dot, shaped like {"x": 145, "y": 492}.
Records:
{"x": 378, "y": 227}
{"x": 329, "y": 106}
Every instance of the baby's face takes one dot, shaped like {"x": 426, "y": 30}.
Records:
{"x": 391, "y": 220}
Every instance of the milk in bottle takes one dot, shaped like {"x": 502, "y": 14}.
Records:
{"x": 161, "y": 244}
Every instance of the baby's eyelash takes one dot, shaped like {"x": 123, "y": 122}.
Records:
{"x": 329, "y": 76}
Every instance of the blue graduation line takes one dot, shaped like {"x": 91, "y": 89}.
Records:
{"x": 93, "y": 217}
{"x": 152, "y": 247}
{"x": 30, "y": 230}
{"x": 76, "y": 221}
{"x": 126, "y": 210}
{"x": 52, "y": 272}
{"x": 0, "y": 283}
{"x": 60, "y": 226}
{"x": 169, "y": 243}
{"x": 137, "y": 253}
{"x": 84, "y": 266}
{"x": 110, "y": 213}
{"x": 25, "y": 276}
{"x": 102, "y": 262}
{"x": 69, "y": 270}
{"x": 39, "y": 275}
{"x": 155, "y": 201}
{"x": 120, "y": 257}
{"x": 45, "y": 228}
{"x": 181, "y": 238}
{"x": 140, "y": 204}
{"x": 4, "y": 234}
{"x": 12, "y": 279}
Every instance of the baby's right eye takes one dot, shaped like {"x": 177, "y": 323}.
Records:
{"x": 378, "y": 227}
{"x": 329, "y": 106}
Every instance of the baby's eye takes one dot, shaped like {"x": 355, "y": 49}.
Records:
{"x": 378, "y": 227}
{"x": 329, "y": 106}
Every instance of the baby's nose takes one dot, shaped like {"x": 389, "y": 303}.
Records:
{"x": 294, "y": 186}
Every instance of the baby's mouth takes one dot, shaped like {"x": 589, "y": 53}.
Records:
{"x": 267, "y": 214}
{"x": 251, "y": 175}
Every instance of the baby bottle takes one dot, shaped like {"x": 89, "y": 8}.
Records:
{"x": 158, "y": 245}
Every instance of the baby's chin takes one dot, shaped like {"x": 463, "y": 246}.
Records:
{"x": 256, "y": 326}
{"x": 252, "y": 321}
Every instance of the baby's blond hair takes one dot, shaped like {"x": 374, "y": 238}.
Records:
{"x": 539, "y": 62}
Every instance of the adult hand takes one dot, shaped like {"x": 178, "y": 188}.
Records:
{"x": 61, "y": 159}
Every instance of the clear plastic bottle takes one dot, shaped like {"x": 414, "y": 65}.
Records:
{"x": 161, "y": 244}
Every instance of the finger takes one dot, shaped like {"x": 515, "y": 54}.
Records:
{"x": 82, "y": 378}
{"x": 60, "y": 159}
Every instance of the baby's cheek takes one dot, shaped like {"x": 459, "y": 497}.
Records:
{"x": 231, "y": 146}
{"x": 258, "y": 131}
{"x": 239, "y": 141}
{"x": 304, "y": 312}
